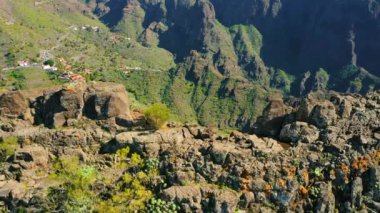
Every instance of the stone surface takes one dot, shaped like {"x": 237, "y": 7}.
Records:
{"x": 299, "y": 132}
{"x": 32, "y": 156}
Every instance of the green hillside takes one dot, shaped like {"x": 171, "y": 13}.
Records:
{"x": 75, "y": 40}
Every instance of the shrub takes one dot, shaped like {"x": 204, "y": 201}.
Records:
{"x": 281, "y": 80}
{"x": 49, "y": 62}
{"x": 157, "y": 115}
{"x": 7, "y": 147}
{"x": 356, "y": 86}
{"x": 158, "y": 205}
{"x": 76, "y": 194}
{"x": 322, "y": 79}
{"x": 131, "y": 193}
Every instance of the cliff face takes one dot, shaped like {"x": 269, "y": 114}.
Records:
{"x": 232, "y": 54}
{"x": 57, "y": 107}
{"x": 298, "y": 35}
{"x": 305, "y": 35}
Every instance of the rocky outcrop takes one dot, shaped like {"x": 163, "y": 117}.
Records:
{"x": 203, "y": 198}
{"x": 30, "y": 157}
{"x": 322, "y": 155}
{"x": 60, "y": 107}
{"x": 271, "y": 121}
{"x": 299, "y": 132}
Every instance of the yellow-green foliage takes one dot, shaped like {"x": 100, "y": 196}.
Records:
{"x": 131, "y": 194}
{"x": 77, "y": 180}
{"x": 157, "y": 115}
{"x": 7, "y": 147}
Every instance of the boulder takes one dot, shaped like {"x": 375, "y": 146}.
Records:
{"x": 270, "y": 123}
{"x": 61, "y": 106}
{"x": 299, "y": 132}
{"x": 374, "y": 183}
{"x": 13, "y": 104}
{"x": 306, "y": 106}
{"x": 57, "y": 107}
{"x": 227, "y": 153}
{"x": 356, "y": 193}
{"x": 344, "y": 105}
{"x": 203, "y": 199}
{"x": 32, "y": 156}
{"x": 11, "y": 190}
{"x": 265, "y": 145}
{"x": 185, "y": 196}
{"x": 219, "y": 200}
{"x": 107, "y": 100}
{"x": 326, "y": 201}
{"x": 323, "y": 115}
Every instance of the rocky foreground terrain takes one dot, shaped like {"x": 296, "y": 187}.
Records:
{"x": 315, "y": 154}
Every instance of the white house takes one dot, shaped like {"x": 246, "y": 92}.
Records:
{"x": 49, "y": 68}
{"x": 23, "y": 63}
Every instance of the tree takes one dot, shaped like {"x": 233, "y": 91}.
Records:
{"x": 157, "y": 115}
{"x": 49, "y": 62}
{"x": 281, "y": 80}
{"x": 321, "y": 79}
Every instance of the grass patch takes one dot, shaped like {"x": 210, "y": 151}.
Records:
{"x": 8, "y": 146}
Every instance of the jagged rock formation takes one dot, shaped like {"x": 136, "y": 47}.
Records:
{"x": 56, "y": 107}
{"x": 232, "y": 54}
{"x": 298, "y": 36}
{"x": 321, "y": 155}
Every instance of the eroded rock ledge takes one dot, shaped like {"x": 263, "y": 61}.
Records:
{"x": 57, "y": 107}
{"x": 320, "y": 153}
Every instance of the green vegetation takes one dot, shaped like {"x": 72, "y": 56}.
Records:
{"x": 157, "y": 115}
{"x": 8, "y": 146}
{"x": 322, "y": 79}
{"x": 49, "y": 62}
{"x": 356, "y": 85}
{"x": 130, "y": 192}
{"x": 28, "y": 78}
{"x": 282, "y": 81}
{"x": 18, "y": 79}
{"x": 77, "y": 195}
{"x": 158, "y": 205}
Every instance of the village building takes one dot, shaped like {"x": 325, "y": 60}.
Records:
{"x": 49, "y": 68}
{"x": 87, "y": 71}
{"x": 23, "y": 63}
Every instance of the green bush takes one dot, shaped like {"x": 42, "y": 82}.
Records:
{"x": 158, "y": 205}
{"x": 322, "y": 79}
{"x": 77, "y": 180}
{"x": 281, "y": 80}
{"x": 157, "y": 115}
{"x": 49, "y": 62}
{"x": 7, "y": 147}
{"x": 131, "y": 193}
{"x": 356, "y": 85}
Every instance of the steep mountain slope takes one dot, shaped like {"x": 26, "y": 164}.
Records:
{"x": 68, "y": 33}
{"x": 218, "y": 62}
{"x": 232, "y": 54}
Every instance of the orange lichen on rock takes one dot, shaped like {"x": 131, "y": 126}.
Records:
{"x": 345, "y": 170}
{"x": 305, "y": 175}
{"x": 281, "y": 183}
{"x": 268, "y": 188}
{"x": 291, "y": 172}
{"x": 303, "y": 191}
{"x": 245, "y": 184}
{"x": 361, "y": 163}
